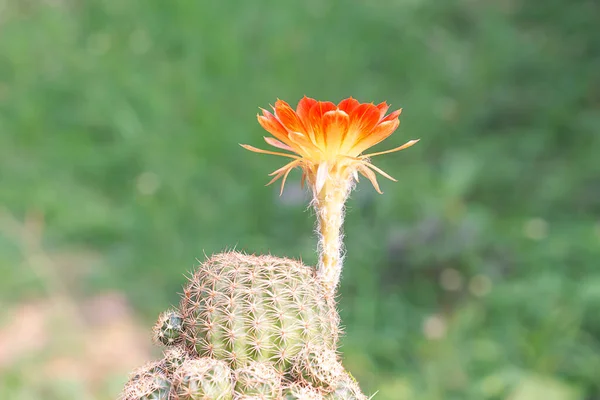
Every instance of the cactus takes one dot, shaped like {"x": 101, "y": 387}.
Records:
{"x": 318, "y": 366}
{"x": 149, "y": 382}
{"x": 296, "y": 391}
{"x": 168, "y": 328}
{"x": 244, "y": 323}
{"x": 203, "y": 379}
{"x": 173, "y": 358}
{"x": 260, "y": 380}
{"x": 261, "y": 318}
{"x": 241, "y": 308}
{"x": 346, "y": 388}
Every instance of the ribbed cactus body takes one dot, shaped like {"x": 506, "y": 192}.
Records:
{"x": 296, "y": 391}
{"x": 259, "y": 380}
{"x": 169, "y": 328}
{"x": 203, "y": 379}
{"x": 346, "y": 388}
{"x": 149, "y": 382}
{"x": 248, "y": 328}
{"x": 240, "y": 308}
{"x": 318, "y": 366}
{"x": 174, "y": 357}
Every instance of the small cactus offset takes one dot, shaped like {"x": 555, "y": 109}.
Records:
{"x": 168, "y": 329}
{"x": 260, "y": 380}
{"x": 346, "y": 388}
{"x": 203, "y": 378}
{"x": 317, "y": 365}
{"x": 174, "y": 358}
{"x": 296, "y": 391}
{"x": 149, "y": 382}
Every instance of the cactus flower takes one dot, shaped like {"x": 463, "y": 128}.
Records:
{"x": 328, "y": 139}
{"x": 327, "y": 142}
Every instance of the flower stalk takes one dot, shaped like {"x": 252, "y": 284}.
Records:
{"x": 329, "y": 204}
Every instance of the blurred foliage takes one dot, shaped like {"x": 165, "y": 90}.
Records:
{"x": 474, "y": 277}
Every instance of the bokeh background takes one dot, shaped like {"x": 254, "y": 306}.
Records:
{"x": 476, "y": 276}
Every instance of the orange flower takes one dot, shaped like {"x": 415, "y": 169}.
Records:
{"x": 328, "y": 140}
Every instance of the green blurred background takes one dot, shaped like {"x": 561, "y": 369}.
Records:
{"x": 474, "y": 277}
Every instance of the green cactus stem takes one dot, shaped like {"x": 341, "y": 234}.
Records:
{"x": 346, "y": 388}
{"x": 203, "y": 379}
{"x": 168, "y": 328}
{"x": 174, "y": 357}
{"x": 149, "y": 382}
{"x": 296, "y": 391}
{"x": 259, "y": 380}
{"x": 240, "y": 308}
{"x": 318, "y": 366}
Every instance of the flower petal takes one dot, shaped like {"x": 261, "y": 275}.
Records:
{"x": 381, "y": 132}
{"x": 315, "y": 122}
{"x": 303, "y": 108}
{"x": 383, "y": 107}
{"x": 284, "y": 179}
{"x": 283, "y": 171}
{"x": 277, "y": 143}
{"x": 278, "y": 174}
{"x": 374, "y": 168}
{"x": 370, "y": 175}
{"x": 275, "y": 153}
{"x": 305, "y": 147}
{"x": 362, "y": 121}
{"x": 348, "y": 105}
{"x": 273, "y": 126}
{"x": 404, "y": 146}
{"x": 335, "y": 127}
{"x": 288, "y": 117}
{"x": 365, "y": 117}
{"x": 322, "y": 173}
{"x": 393, "y": 115}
